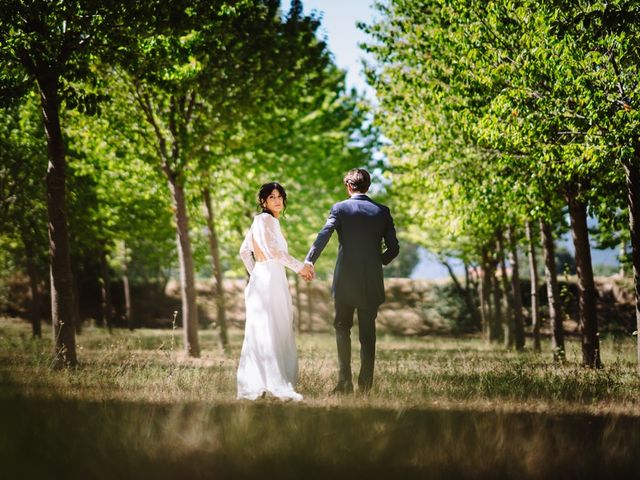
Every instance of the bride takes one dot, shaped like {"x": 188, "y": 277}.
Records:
{"x": 268, "y": 360}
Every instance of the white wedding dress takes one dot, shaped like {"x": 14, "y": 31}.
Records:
{"x": 268, "y": 360}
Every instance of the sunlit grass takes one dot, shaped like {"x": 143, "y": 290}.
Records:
{"x": 137, "y": 407}
{"x": 427, "y": 372}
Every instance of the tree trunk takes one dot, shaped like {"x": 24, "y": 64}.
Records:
{"x": 62, "y": 307}
{"x": 508, "y": 323}
{"x": 533, "y": 274}
{"x": 471, "y": 289}
{"x": 586, "y": 287}
{"x": 187, "y": 273}
{"x": 515, "y": 289}
{"x": 105, "y": 290}
{"x": 497, "y": 318}
{"x": 633, "y": 199}
{"x": 464, "y": 292}
{"x": 214, "y": 250}
{"x": 127, "y": 299}
{"x": 485, "y": 302}
{"x": 553, "y": 292}
{"x": 125, "y": 286}
{"x": 32, "y": 271}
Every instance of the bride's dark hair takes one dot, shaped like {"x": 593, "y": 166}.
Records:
{"x": 265, "y": 191}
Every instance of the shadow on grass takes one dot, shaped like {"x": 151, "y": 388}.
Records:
{"x": 68, "y": 439}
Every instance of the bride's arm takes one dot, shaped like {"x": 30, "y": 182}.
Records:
{"x": 246, "y": 254}
{"x": 268, "y": 241}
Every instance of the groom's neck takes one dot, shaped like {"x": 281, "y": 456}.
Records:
{"x": 353, "y": 192}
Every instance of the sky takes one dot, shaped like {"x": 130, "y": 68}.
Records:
{"x": 339, "y": 19}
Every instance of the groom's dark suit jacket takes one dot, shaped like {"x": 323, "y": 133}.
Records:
{"x": 362, "y": 225}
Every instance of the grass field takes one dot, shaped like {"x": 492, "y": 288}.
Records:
{"x": 149, "y": 366}
{"x": 137, "y": 407}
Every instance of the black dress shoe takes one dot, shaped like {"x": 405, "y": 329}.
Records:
{"x": 343, "y": 388}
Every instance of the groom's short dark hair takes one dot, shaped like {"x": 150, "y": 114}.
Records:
{"x": 358, "y": 179}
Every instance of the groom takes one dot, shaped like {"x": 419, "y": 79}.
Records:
{"x": 362, "y": 225}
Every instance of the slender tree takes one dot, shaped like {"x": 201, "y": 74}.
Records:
{"x": 605, "y": 54}
{"x": 216, "y": 67}
{"x": 49, "y": 45}
{"x": 553, "y": 292}
{"x": 22, "y": 197}
{"x": 515, "y": 289}
{"x": 217, "y": 269}
{"x": 526, "y": 92}
{"x": 533, "y": 275}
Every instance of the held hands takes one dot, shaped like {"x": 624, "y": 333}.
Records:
{"x": 308, "y": 273}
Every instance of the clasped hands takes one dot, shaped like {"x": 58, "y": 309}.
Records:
{"x": 308, "y": 273}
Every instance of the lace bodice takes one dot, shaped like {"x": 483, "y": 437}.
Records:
{"x": 264, "y": 241}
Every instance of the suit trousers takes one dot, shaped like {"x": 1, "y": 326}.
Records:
{"x": 367, "y": 332}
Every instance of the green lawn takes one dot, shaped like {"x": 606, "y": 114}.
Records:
{"x": 426, "y": 372}
{"x": 440, "y": 408}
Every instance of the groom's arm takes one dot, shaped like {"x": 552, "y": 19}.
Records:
{"x": 390, "y": 241}
{"x": 323, "y": 237}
